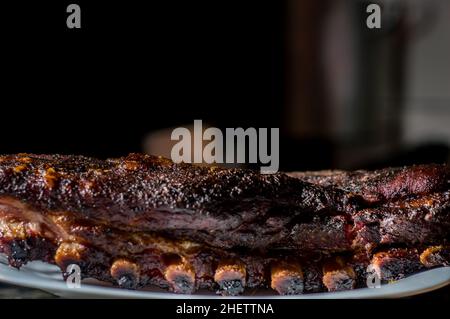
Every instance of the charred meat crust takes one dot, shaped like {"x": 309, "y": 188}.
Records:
{"x": 226, "y": 276}
{"x": 223, "y": 208}
{"x": 396, "y": 263}
{"x": 409, "y": 222}
{"x": 143, "y": 220}
{"x": 385, "y": 184}
{"x": 365, "y": 230}
{"x": 147, "y": 193}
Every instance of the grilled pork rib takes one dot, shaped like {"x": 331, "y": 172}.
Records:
{"x": 225, "y": 208}
{"x": 143, "y": 220}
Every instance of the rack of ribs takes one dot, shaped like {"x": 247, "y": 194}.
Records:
{"x": 142, "y": 220}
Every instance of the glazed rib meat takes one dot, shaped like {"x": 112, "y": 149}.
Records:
{"x": 225, "y": 208}
{"x": 385, "y": 184}
{"x": 143, "y": 220}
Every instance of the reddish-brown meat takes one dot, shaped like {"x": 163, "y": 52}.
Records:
{"x": 384, "y": 184}
{"x": 142, "y": 220}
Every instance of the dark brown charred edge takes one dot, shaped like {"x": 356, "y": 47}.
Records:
{"x": 396, "y": 263}
{"x": 418, "y": 221}
{"x": 21, "y": 251}
{"x": 257, "y": 267}
{"x": 144, "y": 193}
{"x": 338, "y": 275}
{"x": 180, "y": 274}
{"x": 312, "y": 278}
{"x": 176, "y": 273}
{"x": 93, "y": 263}
{"x": 384, "y": 184}
{"x": 231, "y": 276}
{"x": 287, "y": 278}
{"x": 70, "y": 253}
{"x": 126, "y": 273}
{"x": 360, "y": 261}
{"x": 436, "y": 256}
{"x": 271, "y": 222}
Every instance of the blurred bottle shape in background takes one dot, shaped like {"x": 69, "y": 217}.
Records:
{"x": 354, "y": 97}
{"x": 348, "y": 84}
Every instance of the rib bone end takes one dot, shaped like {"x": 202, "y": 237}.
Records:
{"x": 180, "y": 276}
{"x": 435, "y": 256}
{"x": 126, "y": 273}
{"x": 337, "y": 275}
{"x": 287, "y": 279}
{"x": 231, "y": 278}
{"x": 69, "y": 253}
{"x": 396, "y": 263}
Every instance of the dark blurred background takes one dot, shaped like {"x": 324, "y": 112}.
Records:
{"x": 343, "y": 96}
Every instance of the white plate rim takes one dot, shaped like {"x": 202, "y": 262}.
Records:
{"x": 30, "y": 277}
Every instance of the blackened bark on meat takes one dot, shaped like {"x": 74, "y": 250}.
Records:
{"x": 322, "y": 233}
{"x": 384, "y": 184}
{"x": 436, "y": 256}
{"x": 126, "y": 273}
{"x": 143, "y": 220}
{"x": 312, "y": 277}
{"x": 409, "y": 222}
{"x": 360, "y": 261}
{"x": 286, "y": 277}
{"x": 20, "y": 251}
{"x": 397, "y": 263}
{"x": 227, "y": 276}
{"x": 231, "y": 277}
{"x": 218, "y": 207}
{"x": 338, "y": 275}
{"x": 226, "y": 208}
